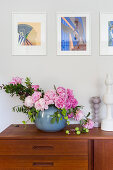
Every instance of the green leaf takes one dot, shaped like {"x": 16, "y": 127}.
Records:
{"x": 64, "y": 111}
{"x": 80, "y": 122}
{"x": 66, "y": 117}
{"x": 53, "y": 120}
{"x": 57, "y": 119}
{"x": 51, "y": 115}
{"x": 29, "y": 113}
{"x": 28, "y": 82}
{"x": 37, "y": 114}
{"x": 32, "y": 119}
{"x": 61, "y": 118}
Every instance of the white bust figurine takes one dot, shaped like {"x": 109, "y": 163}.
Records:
{"x": 107, "y": 123}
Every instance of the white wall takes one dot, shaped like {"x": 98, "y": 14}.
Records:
{"x": 84, "y": 74}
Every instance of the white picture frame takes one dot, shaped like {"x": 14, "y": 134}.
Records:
{"x": 105, "y": 47}
{"x": 33, "y": 18}
{"x": 87, "y": 49}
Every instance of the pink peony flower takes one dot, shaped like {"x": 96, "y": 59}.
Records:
{"x": 60, "y": 102}
{"x": 61, "y": 90}
{"x": 16, "y": 80}
{"x": 71, "y": 102}
{"x": 35, "y": 87}
{"x": 36, "y": 96}
{"x": 79, "y": 115}
{"x": 74, "y": 102}
{"x": 50, "y": 96}
{"x": 89, "y": 124}
{"x": 71, "y": 115}
{"x": 41, "y": 105}
{"x": 28, "y": 101}
{"x": 70, "y": 93}
{"x": 68, "y": 104}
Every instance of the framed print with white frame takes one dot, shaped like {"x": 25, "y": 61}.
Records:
{"x": 106, "y": 33}
{"x": 73, "y": 34}
{"x": 28, "y": 33}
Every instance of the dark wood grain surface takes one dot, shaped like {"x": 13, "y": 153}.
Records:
{"x": 41, "y": 147}
{"x": 29, "y": 149}
{"x": 31, "y": 132}
{"x": 103, "y": 155}
{"x": 44, "y": 162}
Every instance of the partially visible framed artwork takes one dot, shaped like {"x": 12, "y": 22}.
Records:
{"x": 29, "y": 33}
{"x": 106, "y": 33}
{"x": 73, "y": 34}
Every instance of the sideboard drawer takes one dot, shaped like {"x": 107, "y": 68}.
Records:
{"x": 44, "y": 162}
{"x": 44, "y": 147}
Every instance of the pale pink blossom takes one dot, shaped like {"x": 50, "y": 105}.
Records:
{"x": 41, "y": 105}
{"x": 35, "y": 87}
{"x": 50, "y": 96}
{"x": 12, "y": 82}
{"x": 28, "y": 101}
{"x": 16, "y": 80}
{"x": 79, "y": 115}
{"x": 36, "y": 96}
{"x": 89, "y": 124}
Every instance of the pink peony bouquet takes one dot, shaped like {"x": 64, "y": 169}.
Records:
{"x": 36, "y": 100}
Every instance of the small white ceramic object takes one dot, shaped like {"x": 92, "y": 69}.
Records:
{"x": 107, "y": 123}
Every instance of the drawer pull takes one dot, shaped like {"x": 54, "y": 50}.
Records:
{"x": 43, "y": 147}
{"x": 43, "y": 164}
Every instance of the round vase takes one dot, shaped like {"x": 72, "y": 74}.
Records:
{"x": 43, "y": 122}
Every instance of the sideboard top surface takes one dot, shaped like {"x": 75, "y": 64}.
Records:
{"x": 31, "y": 132}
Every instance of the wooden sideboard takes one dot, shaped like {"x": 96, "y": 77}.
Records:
{"x": 29, "y": 149}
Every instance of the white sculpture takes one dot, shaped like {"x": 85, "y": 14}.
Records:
{"x": 107, "y": 123}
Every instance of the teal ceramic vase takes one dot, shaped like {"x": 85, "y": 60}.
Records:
{"x": 43, "y": 122}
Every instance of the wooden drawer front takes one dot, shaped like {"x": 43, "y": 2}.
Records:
{"x": 45, "y": 147}
{"x": 44, "y": 163}
{"x": 103, "y": 154}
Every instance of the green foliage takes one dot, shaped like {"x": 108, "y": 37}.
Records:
{"x": 56, "y": 117}
{"x": 22, "y": 91}
{"x": 32, "y": 113}
{"x": 64, "y": 111}
{"x": 53, "y": 120}
{"x": 28, "y": 82}
{"x": 23, "y": 109}
{"x": 19, "y": 89}
{"x": 66, "y": 117}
